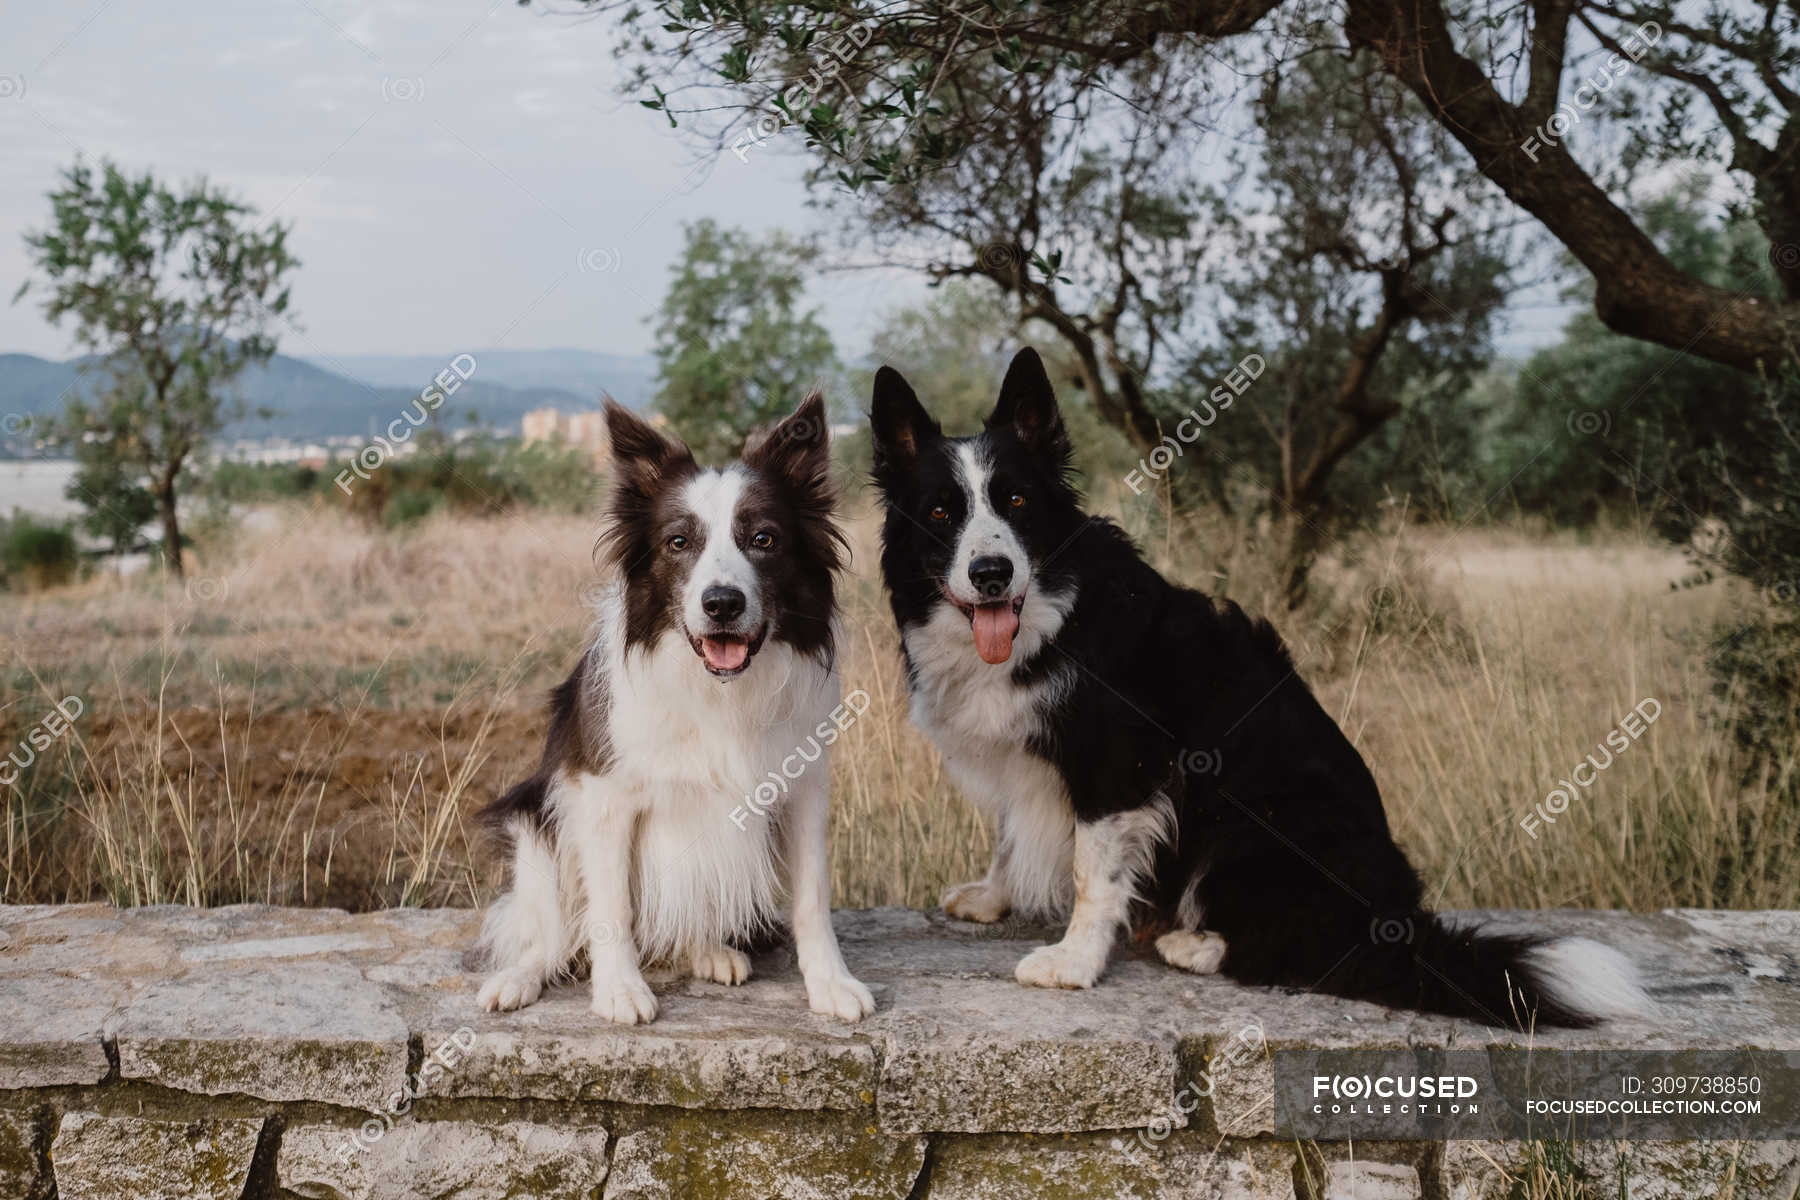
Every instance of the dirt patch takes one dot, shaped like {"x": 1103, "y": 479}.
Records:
{"x": 354, "y": 809}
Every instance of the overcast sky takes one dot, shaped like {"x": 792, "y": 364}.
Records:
{"x": 459, "y": 174}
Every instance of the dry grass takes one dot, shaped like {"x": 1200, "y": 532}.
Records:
{"x": 315, "y": 718}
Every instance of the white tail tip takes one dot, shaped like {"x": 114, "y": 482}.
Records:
{"x": 1587, "y": 977}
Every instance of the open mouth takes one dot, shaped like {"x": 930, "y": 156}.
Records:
{"x": 727, "y": 654}
{"x": 994, "y": 625}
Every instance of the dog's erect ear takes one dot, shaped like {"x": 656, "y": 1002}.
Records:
{"x": 901, "y": 424}
{"x": 1027, "y": 405}
{"x": 797, "y": 448}
{"x": 641, "y": 453}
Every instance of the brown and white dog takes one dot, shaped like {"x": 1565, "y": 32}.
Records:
{"x": 711, "y": 660}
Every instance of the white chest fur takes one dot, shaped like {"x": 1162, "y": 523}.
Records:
{"x": 688, "y": 753}
{"x": 981, "y": 722}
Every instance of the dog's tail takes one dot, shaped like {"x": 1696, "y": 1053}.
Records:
{"x": 525, "y": 800}
{"x": 1509, "y": 980}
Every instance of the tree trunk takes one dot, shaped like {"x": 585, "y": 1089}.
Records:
{"x": 1302, "y": 502}
{"x": 1637, "y": 291}
{"x": 1306, "y": 536}
{"x": 171, "y": 524}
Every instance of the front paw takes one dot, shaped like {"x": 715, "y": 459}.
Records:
{"x": 840, "y": 996}
{"x": 1060, "y": 965}
{"x": 623, "y": 1000}
{"x": 513, "y": 987}
{"x": 721, "y": 964}
{"x": 978, "y": 901}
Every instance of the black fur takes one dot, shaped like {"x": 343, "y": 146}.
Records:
{"x": 572, "y": 742}
{"x": 1279, "y": 822}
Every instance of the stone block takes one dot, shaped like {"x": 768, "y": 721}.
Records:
{"x": 132, "y": 1158}
{"x": 707, "y": 1158}
{"x": 434, "y": 1160}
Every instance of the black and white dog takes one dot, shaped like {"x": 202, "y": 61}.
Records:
{"x": 711, "y": 660}
{"x": 1149, "y": 756}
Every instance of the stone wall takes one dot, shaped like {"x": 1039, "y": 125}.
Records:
{"x": 254, "y": 1053}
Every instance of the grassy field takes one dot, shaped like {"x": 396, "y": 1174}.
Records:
{"x": 315, "y": 715}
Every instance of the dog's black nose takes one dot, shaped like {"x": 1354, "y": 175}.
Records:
{"x": 990, "y": 574}
{"x": 722, "y": 603}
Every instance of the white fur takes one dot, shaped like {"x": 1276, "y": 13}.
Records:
{"x": 1111, "y": 856}
{"x": 1202, "y": 953}
{"x": 713, "y": 497}
{"x": 979, "y": 720}
{"x": 533, "y": 929}
{"x": 648, "y": 863}
{"x": 984, "y": 533}
{"x": 1589, "y": 978}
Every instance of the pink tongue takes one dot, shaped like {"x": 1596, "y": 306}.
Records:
{"x": 723, "y": 655}
{"x": 995, "y": 627}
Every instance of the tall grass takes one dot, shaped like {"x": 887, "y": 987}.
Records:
{"x": 316, "y": 718}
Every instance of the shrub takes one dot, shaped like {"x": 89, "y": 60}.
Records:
{"x": 1756, "y": 659}
{"x": 36, "y": 553}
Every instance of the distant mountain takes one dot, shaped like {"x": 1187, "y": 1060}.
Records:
{"x": 628, "y": 378}
{"x": 308, "y": 401}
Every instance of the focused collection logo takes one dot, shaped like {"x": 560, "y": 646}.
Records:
{"x": 1395, "y": 1095}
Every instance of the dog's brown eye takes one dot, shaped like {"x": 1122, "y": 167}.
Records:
{"x": 763, "y": 540}
{"x": 678, "y": 543}
{"x": 939, "y": 513}
{"x": 1016, "y": 500}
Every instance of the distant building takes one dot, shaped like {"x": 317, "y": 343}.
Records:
{"x": 584, "y": 430}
